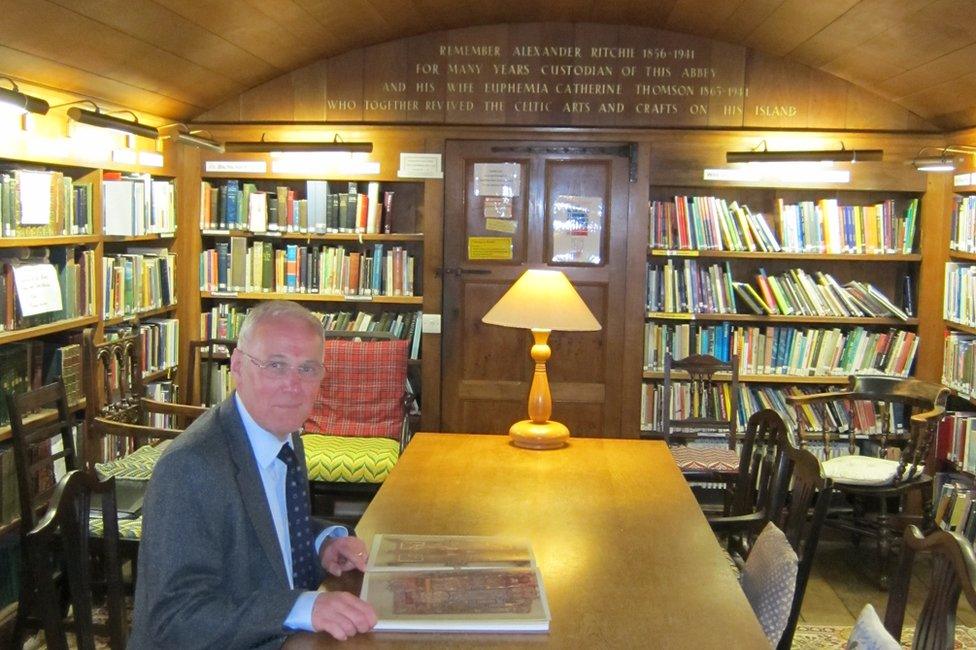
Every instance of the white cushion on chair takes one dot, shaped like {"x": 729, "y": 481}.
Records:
{"x": 869, "y": 633}
{"x": 721, "y": 460}
{"x": 861, "y": 470}
{"x": 769, "y": 581}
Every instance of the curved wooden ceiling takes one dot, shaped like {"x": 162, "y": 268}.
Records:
{"x": 178, "y": 58}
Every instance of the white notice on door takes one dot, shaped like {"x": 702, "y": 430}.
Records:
{"x": 497, "y": 179}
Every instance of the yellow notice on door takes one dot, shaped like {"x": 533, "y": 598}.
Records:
{"x": 489, "y": 248}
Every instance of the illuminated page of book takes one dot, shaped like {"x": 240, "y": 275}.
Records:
{"x": 455, "y": 584}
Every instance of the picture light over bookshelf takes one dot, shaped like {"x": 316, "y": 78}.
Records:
{"x": 764, "y": 155}
{"x": 943, "y": 161}
{"x": 182, "y": 134}
{"x": 107, "y": 121}
{"x": 268, "y": 146}
{"x": 24, "y": 103}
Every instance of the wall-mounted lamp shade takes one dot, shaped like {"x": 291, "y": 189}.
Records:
{"x": 179, "y": 133}
{"x": 267, "y": 146}
{"x": 835, "y": 155}
{"x": 99, "y": 119}
{"x": 24, "y": 102}
{"x": 541, "y": 301}
{"x": 935, "y": 164}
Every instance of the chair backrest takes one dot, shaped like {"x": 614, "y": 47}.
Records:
{"x": 709, "y": 403}
{"x": 60, "y": 544}
{"x": 799, "y": 506}
{"x": 759, "y": 452}
{"x": 870, "y": 404}
{"x": 39, "y": 418}
{"x": 363, "y": 391}
{"x": 953, "y": 573}
{"x": 203, "y": 356}
{"x": 115, "y": 398}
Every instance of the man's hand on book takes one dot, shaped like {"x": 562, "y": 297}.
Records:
{"x": 342, "y": 615}
{"x": 341, "y": 554}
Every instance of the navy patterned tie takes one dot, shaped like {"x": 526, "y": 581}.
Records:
{"x": 303, "y": 560}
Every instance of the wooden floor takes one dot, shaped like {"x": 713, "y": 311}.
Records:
{"x": 844, "y": 579}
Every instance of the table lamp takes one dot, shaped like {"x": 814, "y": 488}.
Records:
{"x": 541, "y": 301}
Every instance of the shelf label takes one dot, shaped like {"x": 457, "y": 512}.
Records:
{"x": 674, "y": 253}
{"x": 358, "y": 298}
{"x": 223, "y": 294}
{"x": 420, "y": 165}
{"x": 963, "y": 180}
{"x": 246, "y": 166}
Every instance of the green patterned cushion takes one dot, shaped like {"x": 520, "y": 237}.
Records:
{"x": 128, "y": 528}
{"x": 136, "y": 466}
{"x": 350, "y": 460}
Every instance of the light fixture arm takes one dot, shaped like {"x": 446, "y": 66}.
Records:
{"x": 22, "y": 101}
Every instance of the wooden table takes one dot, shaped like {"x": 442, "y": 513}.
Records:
{"x": 627, "y": 558}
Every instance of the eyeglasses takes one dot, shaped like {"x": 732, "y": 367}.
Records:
{"x": 281, "y": 369}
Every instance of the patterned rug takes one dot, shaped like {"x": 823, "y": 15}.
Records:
{"x": 817, "y": 637}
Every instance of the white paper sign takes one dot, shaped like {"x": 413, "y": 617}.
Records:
{"x": 246, "y": 166}
{"x": 962, "y": 180}
{"x": 35, "y": 198}
{"x": 420, "y": 165}
{"x": 497, "y": 179}
{"x": 38, "y": 291}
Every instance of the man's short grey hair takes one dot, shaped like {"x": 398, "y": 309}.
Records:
{"x": 271, "y": 310}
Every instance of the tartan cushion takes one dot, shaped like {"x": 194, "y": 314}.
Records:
{"x": 136, "y": 466}
{"x": 721, "y": 460}
{"x": 349, "y": 460}
{"x": 361, "y": 394}
{"x": 128, "y": 528}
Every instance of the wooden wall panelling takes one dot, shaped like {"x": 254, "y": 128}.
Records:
{"x": 936, "y": 210}
{"x": 188, "y": 247}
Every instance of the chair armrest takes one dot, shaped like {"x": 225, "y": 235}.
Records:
{"x": 104, "y": 426}
{"x": 751, "y": 522}
{"x": 171, "y": 408}
{"x": 818, "y": 397}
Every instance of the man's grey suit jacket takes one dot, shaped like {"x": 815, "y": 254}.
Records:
{"x": 210, "y": 573}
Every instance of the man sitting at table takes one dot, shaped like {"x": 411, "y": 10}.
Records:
{"x": 228, "y": 557}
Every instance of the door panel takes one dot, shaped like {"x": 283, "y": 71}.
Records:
{"x": 487, "y": 369}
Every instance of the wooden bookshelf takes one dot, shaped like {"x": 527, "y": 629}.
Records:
{"x": 314, "y": 236}
{"x": 873, "y": 258}
{"x": 777, "y": 318}
{"x": 827, "y": 380}
{"x": 312, "y": 297}
{"x": 43, "y": 416}
{"x": 26, "y": 333}
{"x": 59, "y": 240}
{"x": 962, "y": 256}
{"x": 953, "y": 325}
{"x": 149, "y": 313}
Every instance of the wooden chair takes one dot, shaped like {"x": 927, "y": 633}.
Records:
{"x": 953, "y": 573}
{"x": 58, "y": 550}
{"x": 874, "y": 478}
{"x": 708, "y": 408}
{"x": 118, "y": 416}
{"x": 751, "y": 499}
{"x": 201, "y": 357}
{"x": 798, "y": 501}
{"x": 359, "y": 425}
{"x": 34, "y": 459}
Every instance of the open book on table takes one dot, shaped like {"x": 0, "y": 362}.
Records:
{"x": 450, "y": 583}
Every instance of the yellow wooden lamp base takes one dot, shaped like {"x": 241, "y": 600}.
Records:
{"x": 539, "y": 432}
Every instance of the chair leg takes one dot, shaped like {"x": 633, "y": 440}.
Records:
{"x": 884, "y": 543}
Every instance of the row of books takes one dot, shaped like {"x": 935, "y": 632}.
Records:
{"x": 139, "y": 280}
{"x": 686, "y": 287}
{"x": 160, "y": 342}
{"x": 962, "y": 225}
{"x": 837, "y": 418}
{"x": 242, "y": 206}
{"x": 43, "y": 203}
{"x": 137, "y": 204}
{"x": 956, "y": 441}
{"x": 31, "y": 364}
{"x": 823, "y": 226}
{"x": 163, "y": 390}
{"x": 955, "y": 509}
{"x": 959, "y": 362}
{"x": 959, "y": 299}
{"x": 223, "y": 321}
{"x": 38, "y": 288}
{"x": 783, "y": 350}
{"x": 329, "y": 270}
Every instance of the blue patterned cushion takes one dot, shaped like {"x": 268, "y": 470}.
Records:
{"x": 769, "y": 581}
{"x": 869, "y": 633}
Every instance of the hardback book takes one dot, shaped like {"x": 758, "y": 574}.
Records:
{"x": 453, "y": 583}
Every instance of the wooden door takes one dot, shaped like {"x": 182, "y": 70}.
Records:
{"x": 487, "y": 369}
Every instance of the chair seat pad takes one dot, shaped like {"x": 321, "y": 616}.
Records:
{"x": 695, "y": 459}
{"x": 349, "y": 460}
{"x": 863, "y": 470}
{"x": 137, "y": 466}
{"x": 128, "y": 528}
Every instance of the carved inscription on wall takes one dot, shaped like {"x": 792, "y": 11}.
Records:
{"x": 572, "y": 75}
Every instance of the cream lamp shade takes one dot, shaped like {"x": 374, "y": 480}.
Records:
{"x": 541, "y": 301}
